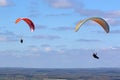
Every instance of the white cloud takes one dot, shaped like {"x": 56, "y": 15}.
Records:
{"x": 48, "y": 37}
{"x": 7, "y": 38}
{"x": 114, "y": 14}
{"x": 60, "y": 3}
{"x": 113, "y": 21}
{"x": 48, "y": 49}
{"x": 88, "y": 40}
{"x": 60, "y": 51}
{"x": 34, "y": 9}
{"x": 4, "y": 3}
{"x": 2, "y": 38}
{"x": 63, "y": 28}
{"x": 33, "y": 49}
{"x": 111, "y": 48}
{"x": 79, "y": 7}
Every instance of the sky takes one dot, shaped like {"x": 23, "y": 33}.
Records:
{"x": 54, "y": 43}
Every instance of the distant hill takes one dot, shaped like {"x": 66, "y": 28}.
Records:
{"x": 63, "y": 74}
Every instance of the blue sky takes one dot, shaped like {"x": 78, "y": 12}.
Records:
{"x": 54, "y": 43}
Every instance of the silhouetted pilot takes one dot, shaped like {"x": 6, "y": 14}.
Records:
{"x": 95, "y": 55}
{"x": 21, "y": 40}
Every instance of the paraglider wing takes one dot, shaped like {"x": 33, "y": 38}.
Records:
{"x": 28, "y": 21}
{"x": 98, "y": 20}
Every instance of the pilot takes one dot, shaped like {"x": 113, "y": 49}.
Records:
{"x": 95, "y": 55}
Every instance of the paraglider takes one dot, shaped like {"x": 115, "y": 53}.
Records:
{"x": 95, "y": 55}
{"x": 29, "y": 22}
{"x": 98, "y": 20}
